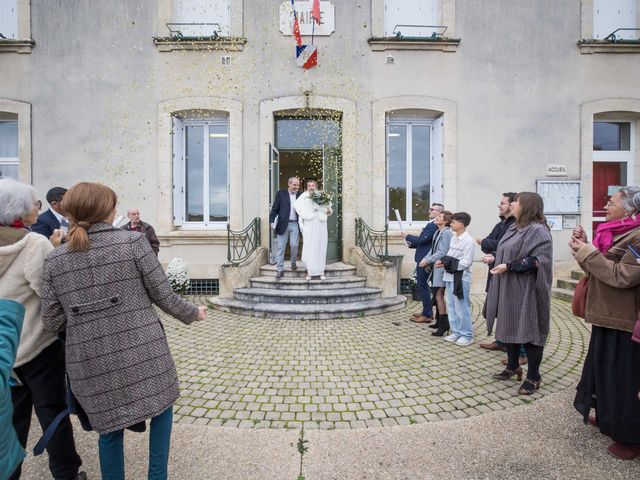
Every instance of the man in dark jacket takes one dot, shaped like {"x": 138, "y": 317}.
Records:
{"x": 53, "y": 218}
{"x": 284, "y": 221}
{"x": 422, "y": 244}
{"x": 137, "y": 225}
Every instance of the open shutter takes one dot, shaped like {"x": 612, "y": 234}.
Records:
{"x": 437, "y": 160}
{"x": 203, "y": 11}
{"x": 413, "y": 14}
{"x": 178, "y": 172}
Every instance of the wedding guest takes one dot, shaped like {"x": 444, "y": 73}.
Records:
{"x": 519, "y": 296}
{"x": 313, "y": 216}
{"x": 283, "y": 220}
{"x": 611, "y": 374}
{"x": 100, "y": 287}
{"x": 137, "y": 225}
{"x": 422, "y": 244}
{"x": 457, "y": 280}
{"x": 53, "y": 218}
{"x": 439, "y": 248}
{"x": 11, "y": 452}
{"x": 39, "y": 364}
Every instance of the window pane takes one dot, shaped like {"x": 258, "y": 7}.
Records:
{"x": 9, "y": 171}
{"x": 610, "y": 136}
{"x": 421, "y": 184}
{"x": 194, "y": 162}
{"x": 202, "y": 11}
{"x": 218, "y": 154}
{"x": 397, "y": 170}
{"x": 8, "y": 139}
{"x": 307, "y": 133}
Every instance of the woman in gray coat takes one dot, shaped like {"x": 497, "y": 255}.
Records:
{"x": 519, "y": 294}
{"x": 100, "y": 287}
{"x": 439, "y": 248}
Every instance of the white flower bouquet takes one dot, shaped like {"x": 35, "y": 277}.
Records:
{"x": 178, "y": 276}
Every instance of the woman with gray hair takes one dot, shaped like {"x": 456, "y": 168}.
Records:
{"x": 611, "y": 373}
{"x": 39, "y": 365}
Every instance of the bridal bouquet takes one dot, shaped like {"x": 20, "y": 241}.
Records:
{"x": 320, "y": 198}
{"x": 178, "y": 276}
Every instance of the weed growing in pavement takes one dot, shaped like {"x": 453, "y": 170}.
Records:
{"x": 302, "y": 448}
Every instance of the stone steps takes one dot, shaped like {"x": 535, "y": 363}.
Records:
{"x": 342, "y": 294}
{"x": 565, "y": 286}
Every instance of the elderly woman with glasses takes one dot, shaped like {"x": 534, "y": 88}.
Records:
{"x": 611, "y": 373}
{"x": 39, "y": 365}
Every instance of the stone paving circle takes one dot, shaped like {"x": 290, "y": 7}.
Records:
{"x": 376, "y": 371}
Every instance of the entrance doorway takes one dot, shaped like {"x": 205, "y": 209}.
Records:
{"x": 309, "y": 146}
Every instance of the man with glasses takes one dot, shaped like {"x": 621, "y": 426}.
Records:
{"x": 52, "y": 219}
{"x": 422, "y": 244}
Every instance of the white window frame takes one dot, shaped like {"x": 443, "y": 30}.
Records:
{"x": 179, "y": 175}
{"x": 615, "y": 156}
{"x": 12, "y": 161}
{"x": 435, "y": 166}
{"x": 411, "y": 32}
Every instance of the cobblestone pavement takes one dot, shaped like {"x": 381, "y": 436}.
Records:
{"x": 375, "y": 371}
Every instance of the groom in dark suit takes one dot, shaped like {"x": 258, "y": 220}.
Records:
{"x": 422, "y": 244}
{"x": 284, "y": 221}
{"x": 53, "y": 218}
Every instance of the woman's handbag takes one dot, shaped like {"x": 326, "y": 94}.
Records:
{"x": 636, "y": 331}
{"x": 579, "y": 302}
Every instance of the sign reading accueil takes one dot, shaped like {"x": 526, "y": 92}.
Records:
{"x": 303, "y": 9}
{"x": 557, "y": 170}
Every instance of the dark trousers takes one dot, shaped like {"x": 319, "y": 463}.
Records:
{"x": 534, "y": 358}
{"x": 422, "y": 279}
{"x": 43, "y": 390}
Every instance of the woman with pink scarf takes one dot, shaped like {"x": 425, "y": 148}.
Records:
{"x": 611, "y": 373}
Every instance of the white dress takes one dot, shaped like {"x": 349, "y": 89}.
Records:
{"x": 312, "y": 219}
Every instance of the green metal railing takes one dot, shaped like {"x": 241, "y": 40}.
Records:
{"x": 240, "y": 245}
{"x": 374, "y": 243}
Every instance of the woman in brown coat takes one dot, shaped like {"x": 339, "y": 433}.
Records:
{"x": 611, "y": 373}
{"x": 519, "y": 296}
{"x": 100, "y": 287}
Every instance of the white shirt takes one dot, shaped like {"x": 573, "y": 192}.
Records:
{"x": 292, "y": 213}
{"x": 463, "y": 248}
{"x": 59, "y": 216}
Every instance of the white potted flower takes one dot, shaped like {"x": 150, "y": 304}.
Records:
{"x": 178, "y": 276}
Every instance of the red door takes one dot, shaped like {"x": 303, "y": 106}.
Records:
{"x": 605, "y": 174}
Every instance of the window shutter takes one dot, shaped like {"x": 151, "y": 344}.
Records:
{"x": 9, "y": 18}
{"x": 203, "y": 11}
{"x": 178, "y": 172}
{"x": 608, "y": 15}
{"x": 411, "y": 12}
{"x": 437, "y": 160}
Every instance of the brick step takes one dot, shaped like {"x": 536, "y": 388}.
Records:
{"x": 566, "y": 283}
{"x": 562, "y": 294}
{"x": 293, "y": 283}
{"x": 577, "y": 274}
{"x": 303, "y": 297}
{"x": 337, "y": 269}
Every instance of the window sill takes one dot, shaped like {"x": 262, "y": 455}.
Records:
{"x": 392, "y": 43}
{"x": 605, "y": 46}
{"x": 228, "y": 44}
{"x": 24, "y": 45}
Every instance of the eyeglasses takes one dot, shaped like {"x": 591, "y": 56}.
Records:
{"x": 609, "y": 204}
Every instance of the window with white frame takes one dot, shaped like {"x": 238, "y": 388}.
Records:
{"x": 9, "y": 19}
{"x": 202, "y": 18}
{"x": 9, "y": 161}
{"x": 414, "y": 168}
{"x": 610, "y": 15}
{"x": 201, "y": 172}
{"x": 413, "y": 18}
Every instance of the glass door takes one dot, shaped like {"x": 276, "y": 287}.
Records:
{"x": 331, "y": 168}
{"x": 274, "y": 186}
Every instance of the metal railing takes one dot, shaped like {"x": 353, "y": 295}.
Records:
{"x": 438, "y": 31}
{"x": 612, "y": 37}
{"x": 175, "y": 31}
{"x": 241, "y": 244}
{"x": 374, "y": 243}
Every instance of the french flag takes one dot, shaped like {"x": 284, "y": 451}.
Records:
{"x": 307, "y": 56}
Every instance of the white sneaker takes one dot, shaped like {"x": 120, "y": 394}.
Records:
{"x": 452, "y": 338}
{"x": 464, "y": 341}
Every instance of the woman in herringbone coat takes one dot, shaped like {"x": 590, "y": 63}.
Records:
{"x": 519, "y": 295}
{"x": 100, "y": 287}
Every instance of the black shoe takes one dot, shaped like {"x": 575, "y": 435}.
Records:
{"x": 294, "y": 267}
{"x": 443, "y": 326}
{"x": 437, "y": 322}
{"x": 279, "y": 274}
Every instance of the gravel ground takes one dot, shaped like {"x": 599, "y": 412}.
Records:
{"x": 545, "y": 439}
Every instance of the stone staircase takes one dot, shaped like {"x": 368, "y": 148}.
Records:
{"x": 342, "y": 295}
{"x": 565, "y": 286}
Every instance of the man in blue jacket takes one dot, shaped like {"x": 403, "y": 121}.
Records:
{"x": 53, "y": 218}
{"x": 284, "y": 221}
{"x": 422, "y": 244}
{"x": 11, "y": 452}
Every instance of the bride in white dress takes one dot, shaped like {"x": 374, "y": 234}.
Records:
{"x": 312, "y": 219}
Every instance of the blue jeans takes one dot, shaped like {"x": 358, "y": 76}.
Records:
{"x": 110, "y": 446}
{"x": 459, "y": 310}
{"x": 422, "y": 279}
{"x": 292, "y": 233}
